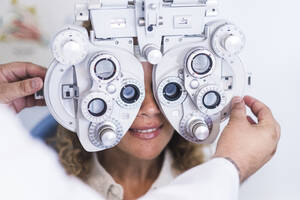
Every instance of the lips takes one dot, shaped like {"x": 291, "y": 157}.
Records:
{"x": 146, "y": 133}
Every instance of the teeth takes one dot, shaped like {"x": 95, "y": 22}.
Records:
{"x": 146, "y": 131}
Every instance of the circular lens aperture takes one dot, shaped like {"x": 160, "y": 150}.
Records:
{"x": 202, "y": 64}
{"x": 130, "y": 94}
{"x": 211, "y": 100}
{"x": 97, "y": 107}
{"x": 172, "y": 91}
{"x": 105, "y": 69}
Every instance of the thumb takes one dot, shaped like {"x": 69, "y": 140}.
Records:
{"x": 238, "y": 110}
{"x": 16, "y": 90}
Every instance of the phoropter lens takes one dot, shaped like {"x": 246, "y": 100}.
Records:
{"x": 201, "y": 64}
{"x": 97, "y": 107}
{"x": 211, "y": 100}
{"x": 105, "y": 69}
{"x": 172, "y": 91}
{"x": 130, "y": 94}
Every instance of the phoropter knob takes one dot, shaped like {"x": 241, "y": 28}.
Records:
{"x": 153, "y": 54}
{"x": 199, "y": 129}
{"x": 228, "y": 40}
{"x": 71, "y": 49}
{"x": 69, "y": 46}
{"x": 233, "y": 44}
{"x": 108, "y": 136}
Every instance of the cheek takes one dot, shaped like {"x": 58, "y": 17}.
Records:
{"x": 146, "y": 149}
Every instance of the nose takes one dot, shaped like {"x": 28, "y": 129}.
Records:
{"x": 149, "y": 106}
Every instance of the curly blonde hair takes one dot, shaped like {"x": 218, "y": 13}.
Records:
{"x": 76, "y": 160}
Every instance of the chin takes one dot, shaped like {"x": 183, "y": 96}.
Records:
{"x": 147, "y": 154}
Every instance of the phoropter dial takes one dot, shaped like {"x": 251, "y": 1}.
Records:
{"x": 200, "y": 62}
{"x": 106, "y": 134}
{"x": 211, "y": 99}
{"x": 171, "y": 91}
{"x": 70, "y": 45}
{"x": 196, "y": 127}
{"x": 96, "y": 107}
{"x": 104, "y": 67}
{"x": 132, "y": 94}
{"x": 228, "y": 41}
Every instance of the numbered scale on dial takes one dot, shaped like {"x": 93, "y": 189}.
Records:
{"x": 70, "y": 46}
{"x": 228, "y": 41}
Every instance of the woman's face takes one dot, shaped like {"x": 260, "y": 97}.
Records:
{"x": 150, "y": 132}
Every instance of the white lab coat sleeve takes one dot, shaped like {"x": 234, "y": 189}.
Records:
{"x": 29, "y": 169}
{"x": 217, "y": 179}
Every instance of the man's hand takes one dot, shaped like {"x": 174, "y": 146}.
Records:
{"x": 18, "y": 82}
{"x": 249, "y": 144}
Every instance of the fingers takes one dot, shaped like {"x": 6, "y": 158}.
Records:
{"x": 30, "y": 102}
{"x": 250, "y": 120}
{"x": 260, "y": 110}
{"x": 238, "y": 110}
{"x": 21, "y": 70}
{"x": 12, "y": 91}
{"x": 19, "y": 104}
{"x": 33, "y": 70}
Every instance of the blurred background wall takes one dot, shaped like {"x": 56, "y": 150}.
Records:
{"x": 271, "y": 55}
{"x": 26, "y": 28}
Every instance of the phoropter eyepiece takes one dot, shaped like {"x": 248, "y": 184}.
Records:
{"x": 172, "y": 91}
{"x": 211, "y": 100}
{"x": 130, "y": 94}
{"x": 97, "y": 107}
{"x": 105, "y": 69}
{"x": 202, "y": 64}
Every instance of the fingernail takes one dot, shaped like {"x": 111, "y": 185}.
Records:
{"x": 35, "y": 83}
{"x": 236, "y": 100}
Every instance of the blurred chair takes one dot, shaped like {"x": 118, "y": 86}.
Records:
{"x": 45, "y": 128}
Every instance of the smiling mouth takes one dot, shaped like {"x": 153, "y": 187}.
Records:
{"x": 145, "y": 131}
{"x": 146, "y": 134}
